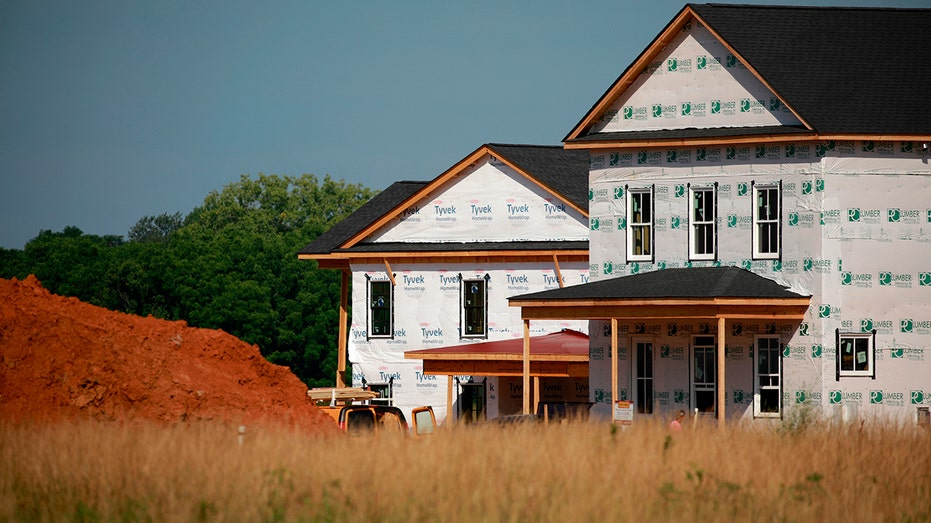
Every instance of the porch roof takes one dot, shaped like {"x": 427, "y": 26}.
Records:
{"x": 695, "y": 292}
{"x": 558, "y": 354}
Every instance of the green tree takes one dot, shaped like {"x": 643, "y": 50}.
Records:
{"x": 235, "y": 267}
{"x": 230, "y": 264}
{"x": 155, "y": 229}
{"x": 71, "y": 263}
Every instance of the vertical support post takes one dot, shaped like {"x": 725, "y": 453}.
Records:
{"x": 343, "y": 340}
{"x": 536, "y": 393}
{"x": 720, "y": 386}
{"x": 449, "y": 401}
{"x": 526, "y": 372}
{"x": 614, "y": 363}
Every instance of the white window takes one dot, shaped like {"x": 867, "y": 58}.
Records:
{"x": 704, "y": 363}
{"x": 855, "y": 354}
{"x": 643, "y": 375}
{"x": 640, "y": 224}
{"x": 766, "y": 221}
{"x": 767, "y": 388}
{"x": 474, "y": 319}
{"x": 702, "y": 232}
{"x": 381, "y": 309}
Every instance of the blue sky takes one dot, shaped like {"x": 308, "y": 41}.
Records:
{"x": 114, "y": 110}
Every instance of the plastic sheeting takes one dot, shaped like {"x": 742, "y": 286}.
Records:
{"x": 427, "y": 309}
{"x": 488, "y": 202}
{"x": 695, "y": 82}
{"x": 856, "y": 236}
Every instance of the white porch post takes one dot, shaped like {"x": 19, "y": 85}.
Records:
{"x": 614, "y": 363}
{"x": 450, "y": 418}
{"x": 721, "y": 372}
{"x": 526, "y": 366}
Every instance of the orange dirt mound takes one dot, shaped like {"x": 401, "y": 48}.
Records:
{"x": 63, "y": 359}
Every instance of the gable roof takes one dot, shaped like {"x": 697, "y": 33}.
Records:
{"x": 562, "y": 172}
{"x": 396, "y": 194}
{"x": 678, "y": 283}
{"x": 841, "y": 71}
{"x": 553, "y": 166}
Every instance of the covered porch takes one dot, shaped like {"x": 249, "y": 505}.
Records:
{"x": 561, "y": 354}
{"x": 713, "y": 294}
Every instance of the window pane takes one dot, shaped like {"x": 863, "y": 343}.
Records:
{"x": 380, "y": 312}
{"x": 846, "y": 354}
{"x": 473, "y": 303}
{"x": 769, "y": 400}
{"x": 861, "y": 354}
{"x": 704, "y": 400}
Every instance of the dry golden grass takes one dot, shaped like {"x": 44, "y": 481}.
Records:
{"x": 571, "y": 472}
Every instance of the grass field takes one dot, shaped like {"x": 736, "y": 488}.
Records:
{"x": 570, "y": 472}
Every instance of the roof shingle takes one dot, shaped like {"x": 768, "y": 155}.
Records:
{"x": 844, "y": 70}
{"x": 693, "y": 282}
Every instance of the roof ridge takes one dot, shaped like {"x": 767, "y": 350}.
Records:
{"x": 814, "y": 7}
{"x": 725, "y": 281}
{"x": 548, "y": 146}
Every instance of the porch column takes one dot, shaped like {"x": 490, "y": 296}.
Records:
{"x": 343, "y": 335}
{"x": 721, "y": 373}
{"x": 526, "y": 366}
{"x": 536, "y": 393}
{"x": 614, "y": 363}
{"x": 449, "y": 401}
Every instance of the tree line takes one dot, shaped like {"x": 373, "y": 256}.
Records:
{"x": 230, "y": 264}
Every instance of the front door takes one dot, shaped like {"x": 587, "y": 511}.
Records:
{"x": 472, "y": 402}
{"x": 703, "y": 374}
{"x": 643, "y": 375}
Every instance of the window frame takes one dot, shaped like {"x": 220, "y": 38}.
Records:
{"x": 705, "y": 386}
{"x": 759, "y": 222}
{"x": 647, "y": 224}
{"x": 757, "y": 387}
{"x": 370, "y": 310}
{"x": 464, "y": 308}
{"x": 870, "y": 371}
{"x": 694, "y": 191}
{"x": 643, "y": 406}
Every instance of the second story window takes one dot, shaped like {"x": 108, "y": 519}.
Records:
{"x": 767, "y": 211}
{"x": 855, "y": 354}
{"x": 640, "y": 224}
{"x": 474, "y": 318}
{"x": 381, "y": 311}
{"x": 702, "y": 217}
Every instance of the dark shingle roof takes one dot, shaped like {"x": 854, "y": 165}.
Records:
{"x": 370, "y": 211}
{"x": 564, "y": 171}
{"x": 557, "y": 245}
{"x": 854, "y": 70}
{"x": 694, "y": 282}
{"x": 845, "y": 70}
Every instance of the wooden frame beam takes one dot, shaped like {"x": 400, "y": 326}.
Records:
{"x": 546, "y": 369}
{"x": 390, "y": 273}
{"x": 343, "y": 340}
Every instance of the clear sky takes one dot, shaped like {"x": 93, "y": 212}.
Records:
{"x": 115, "y": 110}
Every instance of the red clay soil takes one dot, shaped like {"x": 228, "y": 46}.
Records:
{"x": 63, "y": 359}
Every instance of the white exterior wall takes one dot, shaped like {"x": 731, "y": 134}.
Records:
{"x": 427, "y": 308}
{"x": 488, "y": 202}
{"x": 856, "y": 236}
